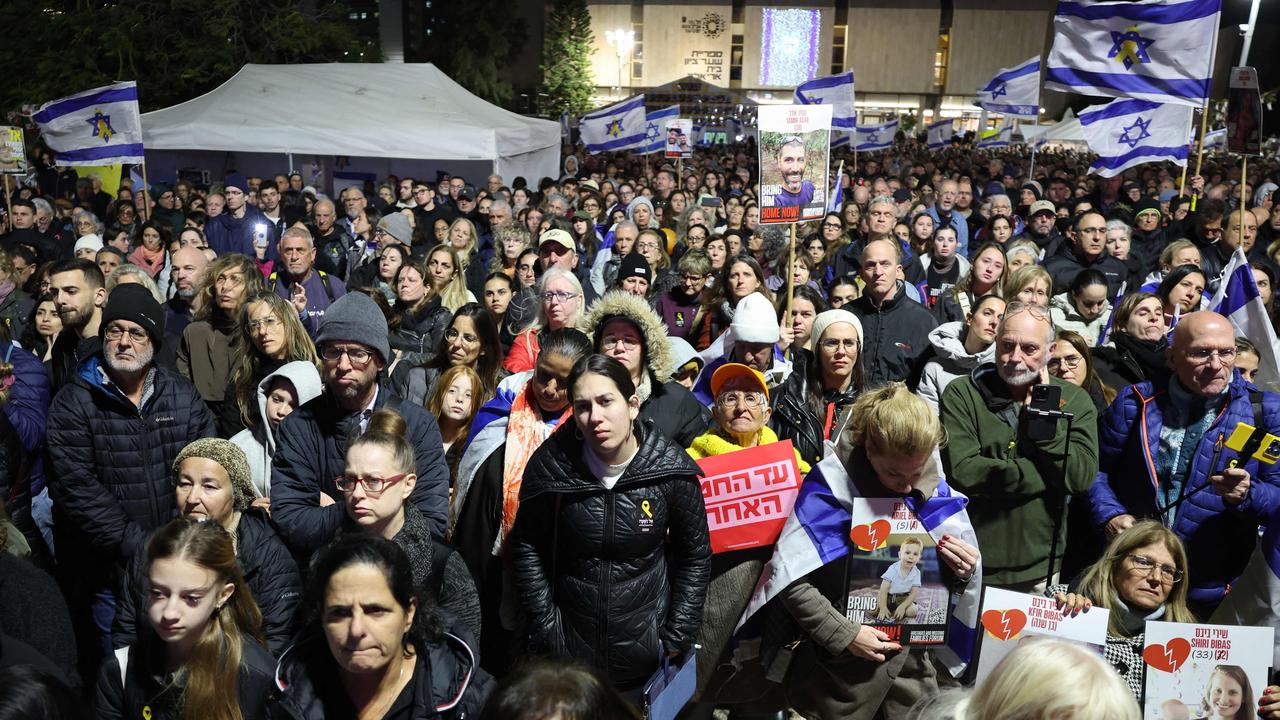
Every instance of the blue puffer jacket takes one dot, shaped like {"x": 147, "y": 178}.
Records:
{"x": 1219, "y": 538}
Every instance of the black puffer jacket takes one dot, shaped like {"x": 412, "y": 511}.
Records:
{"x": 675, "y": 412}
{"x": 109, "y": 475}
{"x": 795, "y": 420}
{"x": 269, "y": 571}
{"x": 605, "y": 575}
{"x": 447, "y": 684}
{"x": 895, "y": 335}
{"x": 311, "y": 454}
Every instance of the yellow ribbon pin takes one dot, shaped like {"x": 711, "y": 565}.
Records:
{"x": 644, "y": 507}
{"x": 146, "y": 712}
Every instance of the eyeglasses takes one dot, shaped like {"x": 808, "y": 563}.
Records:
{"x": 115, "y": 333}
{"x": 1071, "y": 362}
{"x": 1200, "y": 356}
{"x": 266, "y": 322}
{"x": 833, "y": 226}
{"x": 359, "y": 357}
{"x": 1167, "y": 572}
{"x": 371, "y": 484}
{"x": 561, "y": 297}
{"x": 730, "y": 400}
{"x": 452, "y": 335}
{"x": 647, "y": 246}
{"x": 625, "y": 341}
{"x": 835, "y": 344}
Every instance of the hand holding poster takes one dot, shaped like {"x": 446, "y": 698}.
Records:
{"x": 1244, "y": 113}
{"x": 894, "y": 582}
{"x": 1195, "y": 671}
{"x": 679, "y": 138}
{"x": 1009, "y": 617}
{"x": 795, "y": 146}
{"x": 749, "y": 495}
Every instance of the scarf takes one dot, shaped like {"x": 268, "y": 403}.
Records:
{"x": 1148, "y": 353}
{"x": 526, "y": 431}
{"x": 149, "y": 260}
{"x": 1133, "y": 622}
{"x": 6, "y": 289}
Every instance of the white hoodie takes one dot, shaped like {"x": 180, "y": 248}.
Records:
{"x": 259, "y": 442}
{"x": 950, "y": 361}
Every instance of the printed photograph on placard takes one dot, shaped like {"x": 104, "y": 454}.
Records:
{"x": 795, "y": 148}
{"x": 1009, "y": 618}
{"x": 894, "y": 583}
{"x": 679, "y": 138}
{"x": 1205, "y": 671}
{"x": 13, "y": 152}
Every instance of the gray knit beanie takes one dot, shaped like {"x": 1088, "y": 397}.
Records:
{"x": 231, "y": 458}
{"x": 355, "y": 318}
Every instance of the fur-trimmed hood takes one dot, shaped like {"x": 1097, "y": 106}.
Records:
{"x": 658, "y": 356}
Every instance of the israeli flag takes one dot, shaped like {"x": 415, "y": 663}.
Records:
{"x": 1215, "y": 138}
{"x": 876, "y": 137}
{"x": 1013, "y": 91}
{"x": 839, "y": 139}
{"x": 1125, "y": 133}
{"x": 999, "y": 138}
{"x": 817, "y": 533}
{"x": 617, "y": 127}
{"x": 1159, "y": 50}
{"x": 655, "y": 129}
{"x": 564, "y": 125}
{"x": 95, "y": 127}
{"x": 833, "y": 90}
{"x": 940, "y": 134}
{"x": 1238, "y": 300}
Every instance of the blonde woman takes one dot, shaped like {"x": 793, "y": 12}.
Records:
{"x": 465, "y": 243}
{"x": 560, "y": 305}
{"x": 268, "y": 335}
{"x": 204, "y": 355}
{"x": 1029, "y": 285}
{"x": 445, "y": 276}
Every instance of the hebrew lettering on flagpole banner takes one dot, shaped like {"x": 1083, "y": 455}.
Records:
{"x": 749, "y": 494}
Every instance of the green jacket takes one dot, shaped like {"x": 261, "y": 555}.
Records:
{"x": 1015, "y": 485}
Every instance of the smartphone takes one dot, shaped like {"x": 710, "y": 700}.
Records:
{"x": 260, "y": 235}
{"x": 1044, "y": 398}
{"x": 714, "y": 202}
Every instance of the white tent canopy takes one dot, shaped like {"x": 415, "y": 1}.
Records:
{"x": 394, "y": 111}
{"x": 1066, "y": 132}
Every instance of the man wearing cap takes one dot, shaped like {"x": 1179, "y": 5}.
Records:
{"x": 465, "y": 201}
{"x": 943, "y": 213}
{"x": 1148, "y": 239}
{"x": 635, "y": 275}
{"x": 113, "y": 432}
{"x": 1042, "y": 228}
{"x": 556, "y": 248}
{"x": 296, "y": 278}
{"x": 750, "y": 340}
{"x": 311, "y": 451}
{"x": 240, "y": 226}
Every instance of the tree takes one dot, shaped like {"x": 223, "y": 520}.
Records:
{"x": 174, "y": 49}
{"x": 473, "y": 43}
{"x": 566, "y": 59}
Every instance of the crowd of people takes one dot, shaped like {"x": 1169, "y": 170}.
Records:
{"x": 428, "y": 447}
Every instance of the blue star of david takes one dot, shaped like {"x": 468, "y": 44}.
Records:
{"x": 873, "y": 137}
{"x": 1130, "y": 47}
{"x": 651, "y": 132}
{"x": 101, "y": 124}
{"x": 999, "y": 90}
{"x": 1131, "y": 138}
{"x": 614, "y": 128}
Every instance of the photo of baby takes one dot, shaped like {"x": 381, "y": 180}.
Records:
{"x": 898, "y": 589}
{"x": 901, "y": 583}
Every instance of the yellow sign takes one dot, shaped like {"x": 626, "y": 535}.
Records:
{"x": 13, "y": 152}
{"x": 108, "y": 174}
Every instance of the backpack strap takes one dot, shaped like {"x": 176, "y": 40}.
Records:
{"x": 1255, "y": 399}
{"x": 324, "y": 280}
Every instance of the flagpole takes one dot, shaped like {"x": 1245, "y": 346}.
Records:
{"x": 1204, "y": 113}
{"x": 791, "y": 284}
{"x": 1244, "y": 182}
{"x": 146, "y": 189}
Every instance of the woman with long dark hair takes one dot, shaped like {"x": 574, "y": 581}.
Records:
{"x": 205, "y": 658}
{"x": 205, "y": 355}
{"x": 268, "y": 335}
{"x": 471, "y": 339}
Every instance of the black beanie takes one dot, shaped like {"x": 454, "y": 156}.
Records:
{"x": 133, "y": 302}
{"x": 634, "y": 265}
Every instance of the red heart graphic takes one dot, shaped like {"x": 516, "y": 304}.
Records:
{"x": 1168, "y": 657}
{"x": 1004, "y": 624}
{"x": 870, "y": 537}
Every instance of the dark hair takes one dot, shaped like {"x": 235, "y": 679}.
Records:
{"x": 22, "y": 202}
{"x": 511, "y": 282}
{"x": 1176, "y": 276}
{"x": 393, "y": 317}
{"x": 569, "y": 691}
{"x": 32, "y": 694}
{"x": 567, "y": 342}
{"x": 842, "y": 280}
{"x": 390, "y": 560}
{"x": 802, "y": 292}
{"x": 489, "y": 364}
{"x": 1092, "y": 381}
{"x": 164, "y": 230}
{"x": 1087, "y": 278}
{"x": 605, "y": 366}
{"x": 92, "y": 273}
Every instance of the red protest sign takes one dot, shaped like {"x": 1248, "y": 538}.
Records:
{"x": 749, "y": 493}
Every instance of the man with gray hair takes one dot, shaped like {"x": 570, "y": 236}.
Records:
{"x": 311, "y": 291}
{"x": 332, "y": 240}
{"x": 353, "y": 203}
{"x": 944, "y": 213}
{"x": 881, "y": 216}
{"x": 1017, "y": 465}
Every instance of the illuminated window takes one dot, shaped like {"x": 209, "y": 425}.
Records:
{"x": 941, "y": 58}
{"x": 790, "y": 45}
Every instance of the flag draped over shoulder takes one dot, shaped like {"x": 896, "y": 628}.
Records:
{"x": 617, "y": 127}
{"x": 1160, "y": 50}
{"x": 1238, "y": 300}
{"x": 876, "y": 137}
{"x": 96, "y": 127}
{"x": 1125, "y": 133}
{"x": 940, "y": 133}
{"x": 817, "y": 533}
{"x": 833, "y": 90}
{"x": 1013, "y": 91}
{"x": 655, "y": 129}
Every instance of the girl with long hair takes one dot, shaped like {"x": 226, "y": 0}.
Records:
{"x": 268, "y": 335}
{"x": 983, "y": 278}
{"x": 205, "y": 355}
{"x": 206, "y": 658}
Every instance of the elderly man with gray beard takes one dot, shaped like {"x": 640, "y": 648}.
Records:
{"x": 1018, "y": 482}
{"x": 113, "y": 433}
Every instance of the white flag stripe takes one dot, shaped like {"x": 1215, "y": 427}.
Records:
{"x": 1125, "y": 133}
{"x": 96, "y": 127}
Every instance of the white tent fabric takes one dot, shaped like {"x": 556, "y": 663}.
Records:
{"x": 411, "y": 111}
{"x": 1066, "y": 132}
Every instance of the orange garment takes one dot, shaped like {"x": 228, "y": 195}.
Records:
{"x": 526, "y": 431}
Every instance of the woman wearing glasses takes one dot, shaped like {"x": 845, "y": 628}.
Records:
{"x": 610, "y": 549}
{"x": 1139, "y": 577}
{"x": 268, "y": 336}
{"x": 471, "y": 340}
{"x": 375, "y": 486}
{"x": 560, "y": 305}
